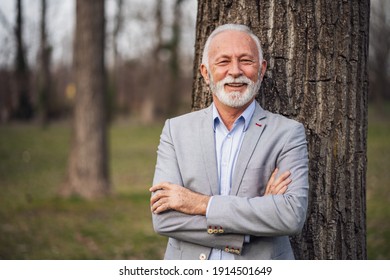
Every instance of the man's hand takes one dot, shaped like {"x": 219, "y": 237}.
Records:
{"x": 174, "y": 197}
{"x": 278, "y": 186}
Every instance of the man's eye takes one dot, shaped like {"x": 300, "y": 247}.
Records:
{"x": 246, "y": 61}
{"x": 223, "y": 62}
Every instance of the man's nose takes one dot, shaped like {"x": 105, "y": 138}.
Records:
{"x": 235, "y": 69}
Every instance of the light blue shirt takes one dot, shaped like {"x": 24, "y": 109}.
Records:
{"x": 227, "y": 145}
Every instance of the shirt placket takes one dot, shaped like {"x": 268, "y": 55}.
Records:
{"x": 226, "y": 164}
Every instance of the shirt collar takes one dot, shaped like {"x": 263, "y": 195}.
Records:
{"x": 246, "y": 115}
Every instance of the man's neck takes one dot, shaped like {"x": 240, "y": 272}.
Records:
{"x": 229, "y": 114}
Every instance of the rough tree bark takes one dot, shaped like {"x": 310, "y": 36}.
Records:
{"x": 317, "y": 74}
{"x": 88, "y": 167}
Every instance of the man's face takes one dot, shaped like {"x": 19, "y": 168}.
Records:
{"x": 234, "y": 68}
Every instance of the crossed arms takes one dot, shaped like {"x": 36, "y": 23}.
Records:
{"x": 180, "y": 213}
{"x": 170, "y": 196}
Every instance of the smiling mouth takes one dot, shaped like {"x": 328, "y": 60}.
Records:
{"x": 237, "y": 85}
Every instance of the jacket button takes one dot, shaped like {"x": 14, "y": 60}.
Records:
{"x": 210, "y": 231}
{"x": 202, "y": 257}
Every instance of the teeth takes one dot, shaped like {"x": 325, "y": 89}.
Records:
{"x": 235, "y": 85}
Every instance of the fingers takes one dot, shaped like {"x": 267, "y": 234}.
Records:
{"x": 162, "y": 190}
{"x": 271, "y": 180}
{"x": 157, "y": 196}
{"x": 279, "y": 185}
{"x": 160, "y": 186}
{"x": 282, "y": 178}
{"x": 165, "y": 197}
{"x": 157, "y": 199}
{"x": 160, "y": 206}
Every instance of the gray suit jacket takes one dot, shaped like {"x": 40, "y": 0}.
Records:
{"x": 187, "y": 157}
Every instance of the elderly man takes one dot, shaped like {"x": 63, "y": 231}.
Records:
{"x": 231, "y": 181}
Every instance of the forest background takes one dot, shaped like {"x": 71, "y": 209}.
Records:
{"x": 37, "y": 223}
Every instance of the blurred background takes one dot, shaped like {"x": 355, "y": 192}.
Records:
{"x": 149, "y": 64}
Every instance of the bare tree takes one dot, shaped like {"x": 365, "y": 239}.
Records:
{"x": 8, "y": 100}
{"x": 88, "y": 160}
{"x": 118, "y": 26}
{"x": 22, "y": 100}
{"x": 317, "y": 55}
{"x": 379, "y": 62}
{"x": 173, "y": 46}
{"x": 114, "y": 94}
{"x": 149, "y": 106}
{"x": 44, "y": 79}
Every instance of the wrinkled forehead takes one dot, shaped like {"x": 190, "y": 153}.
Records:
{"x": 233, "y": 41}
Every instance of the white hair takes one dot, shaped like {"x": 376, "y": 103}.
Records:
{"x": 229, "y": 27}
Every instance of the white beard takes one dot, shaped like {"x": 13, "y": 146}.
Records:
{"x": 235, "y": 99}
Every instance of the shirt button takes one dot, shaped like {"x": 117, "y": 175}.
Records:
{"x": 202, "y": 257}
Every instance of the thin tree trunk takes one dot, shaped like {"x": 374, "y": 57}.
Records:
{"x": 317, "y": 74}
{"x": 22, "y": 101}
{"x": 116, "y": 95}
{"x": 88, "y": 161}
{"x": 44, "y": 79}
{"x": 174, "y": 98}
{"x": 151, "y": 101}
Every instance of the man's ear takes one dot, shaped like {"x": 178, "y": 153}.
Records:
{"x": 205, "y": 73}
{"x": 263, "y": 68}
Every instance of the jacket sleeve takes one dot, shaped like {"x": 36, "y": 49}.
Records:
{"x": 189, "y": 228}
{"x": 270, "y": 215}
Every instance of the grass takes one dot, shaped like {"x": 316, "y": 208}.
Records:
{"x": 378, "y": 183}
{"x": 36, "y": 224}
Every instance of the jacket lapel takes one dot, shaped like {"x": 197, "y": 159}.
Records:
{"x": 207, "y": 142}
{"x": 251, "y": 138}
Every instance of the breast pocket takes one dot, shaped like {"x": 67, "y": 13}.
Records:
{"x": 255, "y": 181}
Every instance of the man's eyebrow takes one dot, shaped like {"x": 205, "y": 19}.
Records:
{"x": 222, "y": 56}
{"x": 248, "y": 55}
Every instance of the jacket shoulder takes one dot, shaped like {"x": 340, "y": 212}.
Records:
{"x": 281, "y": 120}
{"x": 189, "y": 118}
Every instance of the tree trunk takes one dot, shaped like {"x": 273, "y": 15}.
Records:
{"x": 174, "y": 98}
{"x": 380, "y": 53}
{"x": 88, "y": 168}
{"x": 44, "y": 78}
{"x": 22, "y": 101}
{"x": 317, "y": 74}
{"x": 115, "y": 95}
